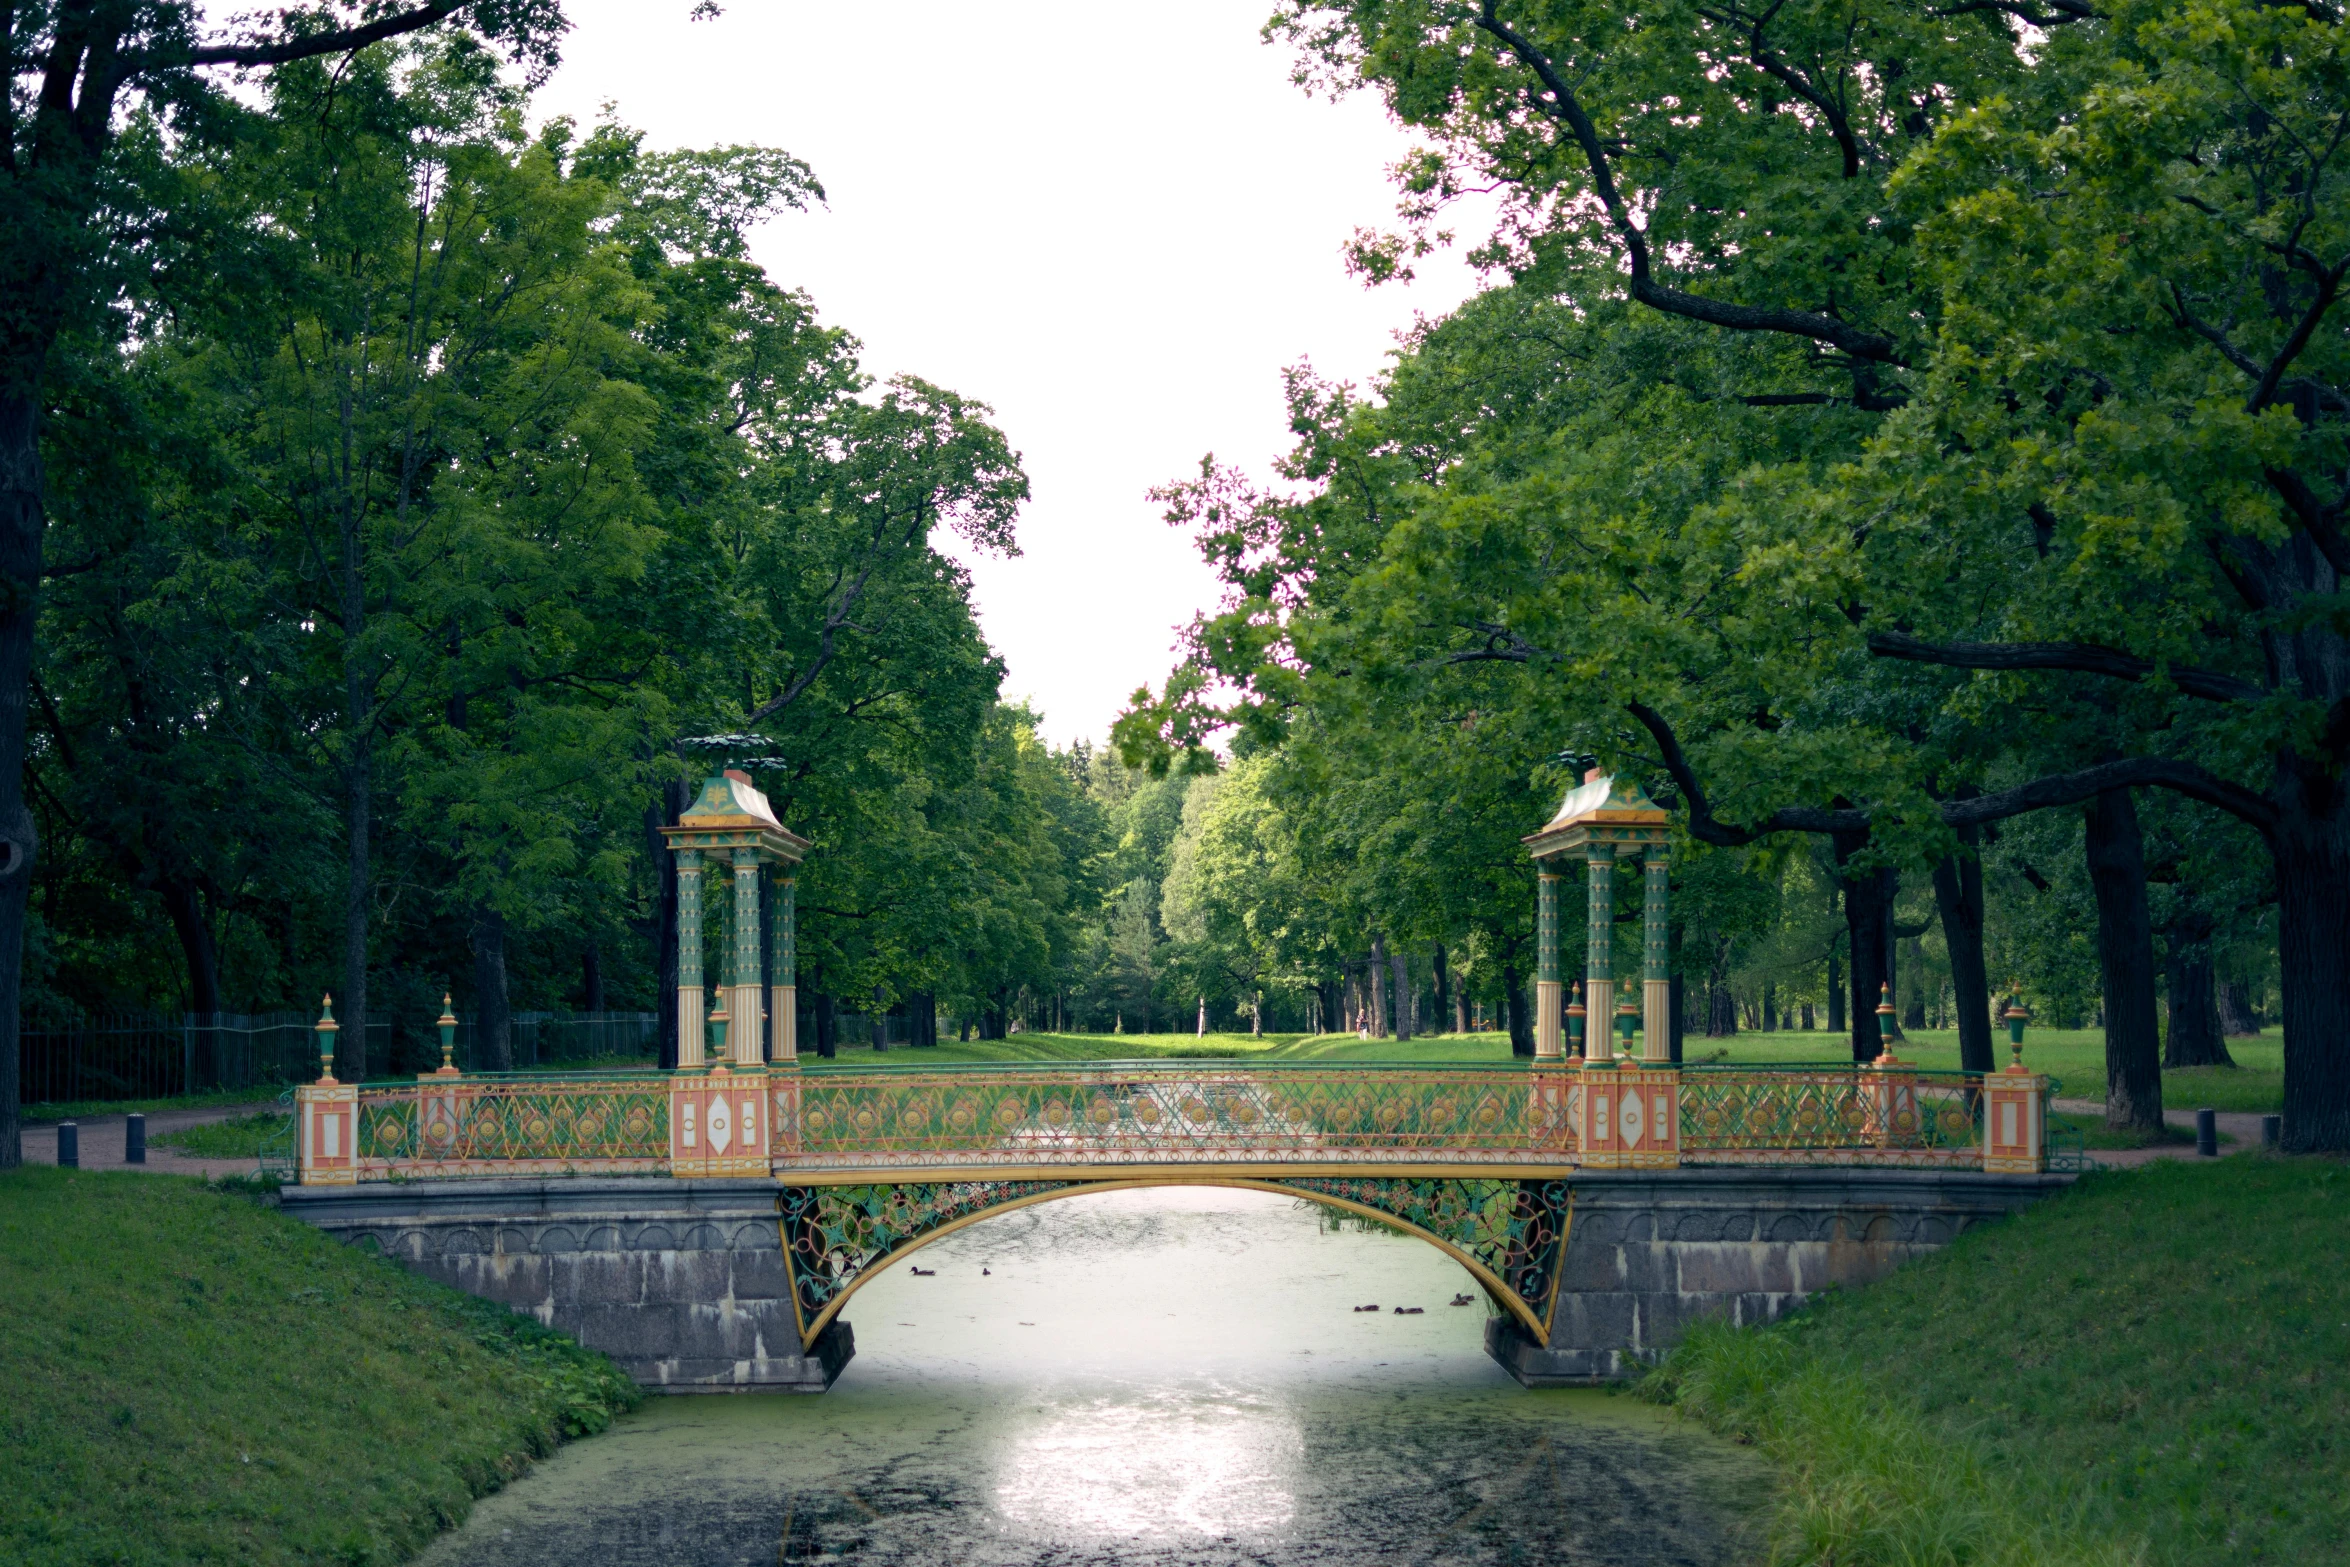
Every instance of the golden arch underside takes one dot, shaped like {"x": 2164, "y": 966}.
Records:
{"x": 1509, "y": 1232}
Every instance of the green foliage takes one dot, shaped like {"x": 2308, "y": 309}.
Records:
{"x": 2150, "y": 1367}
{"x": 190, "y": 1377}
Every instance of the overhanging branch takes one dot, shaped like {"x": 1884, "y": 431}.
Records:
{"x": 2060, "y": 789}
{"x": 341, "y": 41}
{"x": 2086, "y": 658}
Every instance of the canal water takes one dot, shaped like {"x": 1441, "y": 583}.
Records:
{"x": 1162, "y": 1377}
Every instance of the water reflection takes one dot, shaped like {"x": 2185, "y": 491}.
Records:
{"x": 1173, "y": 1376}
{"x": 1154, "y": 1469}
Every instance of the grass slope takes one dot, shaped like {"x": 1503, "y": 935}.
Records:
{"x": 2155, "y": 1366}
{"x": 188, "y": 1377}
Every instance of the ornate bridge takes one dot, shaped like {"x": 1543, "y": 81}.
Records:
{"x": 808, "y": 1182}
{"x": 865, "y": 1167}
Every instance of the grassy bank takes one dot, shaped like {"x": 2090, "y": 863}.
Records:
{"x": 2155, "y": 1366}
{"x": 188, "y": 1377}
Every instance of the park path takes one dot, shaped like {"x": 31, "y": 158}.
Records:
{"x": 2243, "y": 1126}
{"x": 102, "y": 1141}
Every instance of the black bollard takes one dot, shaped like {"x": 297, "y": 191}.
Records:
{"x": 69, "y": 1146}
{"x": 134, "y": 1139}
{"x": 2206, "y": 1134}
{"x": 2272, "y": 1133}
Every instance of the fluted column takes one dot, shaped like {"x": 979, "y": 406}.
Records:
{"x": 746, "y": 997}
{"x": 1548, "y": 999}
{"x": 1656, "y": 1021}
{"x": 1598, "y": 966}
{"x": 689, "y": 957}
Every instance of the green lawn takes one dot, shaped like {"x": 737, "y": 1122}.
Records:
{"x": 239, "y": 1137}
{"x": 2076, "y": 1057}
{"x": 2154, "y": 1366}
{"x": 87, "y": 1109}
{"x": 188, "y": 1377}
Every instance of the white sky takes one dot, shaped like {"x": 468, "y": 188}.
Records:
{"x": 1116, "y": 224}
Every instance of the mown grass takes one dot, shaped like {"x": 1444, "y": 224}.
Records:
{"x": 90, "y": 1109}
{"x": 2153, "y": 1367}
{"x": 188, "y": 1377}
{"x": 2076, "y": 1056}
{"x": 2095, "y": 1134}
{"x": 238, "y": 1137}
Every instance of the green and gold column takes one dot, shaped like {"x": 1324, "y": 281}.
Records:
{"x": 746, "y": 997}
{"x": 1548, "y": 997}
{"x": 783, "y": 970}
{"x": 689, "y": 958}
{"x": 1599, "y": 984}
{"x": 1656, "y": 973}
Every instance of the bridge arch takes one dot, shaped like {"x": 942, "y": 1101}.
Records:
{"x": 837, "y": 1239}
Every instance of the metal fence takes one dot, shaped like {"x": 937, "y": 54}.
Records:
{"x": 152, "y": 1056}
{"x": 134, "y": 1055}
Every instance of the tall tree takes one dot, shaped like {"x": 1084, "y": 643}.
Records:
{"x": 63, "y": 211}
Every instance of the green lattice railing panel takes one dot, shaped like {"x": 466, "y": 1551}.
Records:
{"x": 1161, "y": 1115}
{"x": 531, "y": 1125}
{"x": 1798, "y": 1114}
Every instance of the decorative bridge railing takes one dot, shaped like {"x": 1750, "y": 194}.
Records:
{"x": 988, "y": 1122}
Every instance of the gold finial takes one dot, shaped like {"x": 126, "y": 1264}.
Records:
{"x": 326, "y": 1028}
{"x": 447, "y": 1024}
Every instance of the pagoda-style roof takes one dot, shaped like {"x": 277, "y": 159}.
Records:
{"x": 1601, "y": 809}
{"x": 730, "y": 814}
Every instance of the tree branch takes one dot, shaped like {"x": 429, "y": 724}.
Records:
{"x": 2083, "y": 657}
{"x": 2136, "y": 772}
{"x": 1869, "y": 346}
{"x": 341, "y": 41}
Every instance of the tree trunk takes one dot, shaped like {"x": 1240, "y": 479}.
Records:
{"x": 2313, "y": 956}
{"x": 591, "y": 978}
{"x": 493, "y": 1021}
{"x": 1770, "y": 1007}
{"x": 2236, "y": 1017}
{"x": 1958, "y": 897}
{"x": 1378, "y": 977}
{"x": 1443, "y": 1008}
{"x": 827, "y": 1022}
{"x": 1809, "y": 1021}
{"x": 2194, "y": 1004}
{"x": 1402, "y": 992}
{"x": 351, "y": 1005}
{"x": 1835, "y": 992}
{"x": 879, "y": 1022}
{"x": 185, "y": 906}
{"x": 2125, "y": 951}
{"x": 1913, "y": 1007}
{"x": 1521, "y": 1019}
{"x": 20, "y": 587}
{"x": 1889, "y": 1024}
{"x": 1868, "y": 916}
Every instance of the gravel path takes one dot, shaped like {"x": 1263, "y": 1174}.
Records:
{"x": 2243, "y": 1126}
{"x": 102, "y": 1141}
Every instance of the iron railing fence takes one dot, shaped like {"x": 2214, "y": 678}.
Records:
{"x": 546, "y": 1039}
{"x": 854, "y": 1030}
{"x": 143, "y": 1055}
{"x": 1008, "y": 1115}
